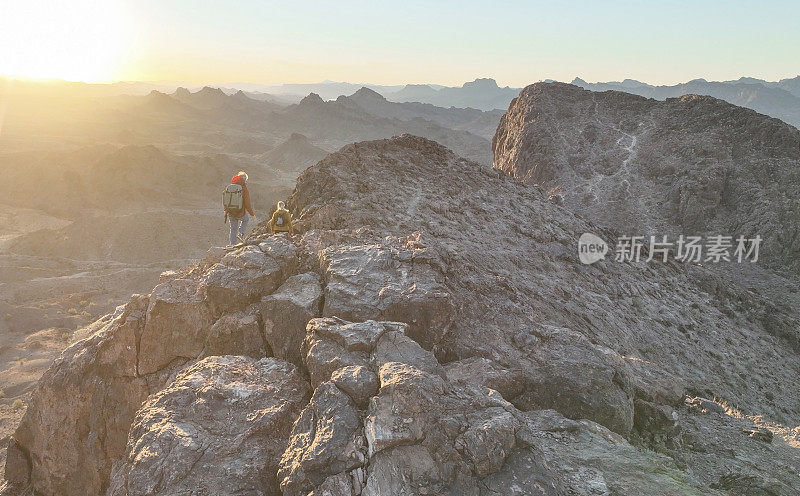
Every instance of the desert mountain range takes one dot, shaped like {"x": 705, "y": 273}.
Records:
{"x": 430, "y": 330}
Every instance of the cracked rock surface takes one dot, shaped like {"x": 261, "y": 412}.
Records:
{"x": 220, "y": 425}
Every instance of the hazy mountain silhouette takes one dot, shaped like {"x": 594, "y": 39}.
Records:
{"x": 483, "y": 94}
{"x": 777, "y": 99}
{"x": 475, "y": 121}
{"x": 294, "y": 154}
{"x": 341, "y": 121}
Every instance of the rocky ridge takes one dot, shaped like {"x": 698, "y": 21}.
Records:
{"x": 432, "y": 332}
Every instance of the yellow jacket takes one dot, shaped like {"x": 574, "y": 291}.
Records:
{"x": 287, "y": 224}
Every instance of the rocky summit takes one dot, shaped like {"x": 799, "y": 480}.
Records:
{"x": 432, "y": 331}
{"x": 687, "y": 165}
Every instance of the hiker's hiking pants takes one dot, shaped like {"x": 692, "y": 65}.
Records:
{"x": 238, "y": 226}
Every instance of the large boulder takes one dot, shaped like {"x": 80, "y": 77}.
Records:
{"x": 326, "y": 440}
{"x": 178, "y": 324}
{"x": 72, "y": 440}
{"x": 286, "y": 312}
{"x": 221, "y": 425}
{"x": 244, "y": 275}
{"x": 386, "y": 282}
{"x": 333, "y": 343}
{"x": 237, "y": 333}
{"x": 587, "y": 459}
{"x": 426, "y": 436}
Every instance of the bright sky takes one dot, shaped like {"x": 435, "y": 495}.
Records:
{"x": 409, "y": 41}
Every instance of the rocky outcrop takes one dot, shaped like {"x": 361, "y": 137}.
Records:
{"x": 452, "y": 343}
{"x": 286, "y": 312}
{"x": 692, "y": 165}
{"x": 221, "y": 425}
{"x": 72, "y": 440}
{"x": 79, "y": 415}
{"x": 324, "y": 442}
{"x": 416, "y": 434}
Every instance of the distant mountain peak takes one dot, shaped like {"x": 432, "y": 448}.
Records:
{"x": 208, "y": 90}
{"x": 241, "y": 95}
{"x": 482, "y": 83}
{"x": 579, "y": 82}
{"x": 312, "y": 99}
{"x": 632, "y": 83}
{"x": 181, "y": 92}
{"x": 366, "y": 93}
{"x": 298, "y": 137}
{"x": 159, "y": 99}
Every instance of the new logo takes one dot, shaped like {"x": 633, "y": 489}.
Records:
{"x": 591, "y": 248}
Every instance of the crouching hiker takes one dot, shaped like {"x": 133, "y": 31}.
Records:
{"x": 236, "y": 202}
{"x": 281, "y": 220}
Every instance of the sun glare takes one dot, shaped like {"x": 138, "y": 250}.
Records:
{"x": 75, "y": 40}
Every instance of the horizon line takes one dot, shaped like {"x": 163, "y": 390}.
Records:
{"x": 232, "y": 84}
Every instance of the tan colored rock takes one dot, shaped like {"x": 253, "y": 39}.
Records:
{"x": 244, "y": 275}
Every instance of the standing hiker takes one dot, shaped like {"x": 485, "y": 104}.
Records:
{"x": 236, "y": 202}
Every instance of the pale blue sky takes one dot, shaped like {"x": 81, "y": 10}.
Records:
{"x": 449, "y": 42}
